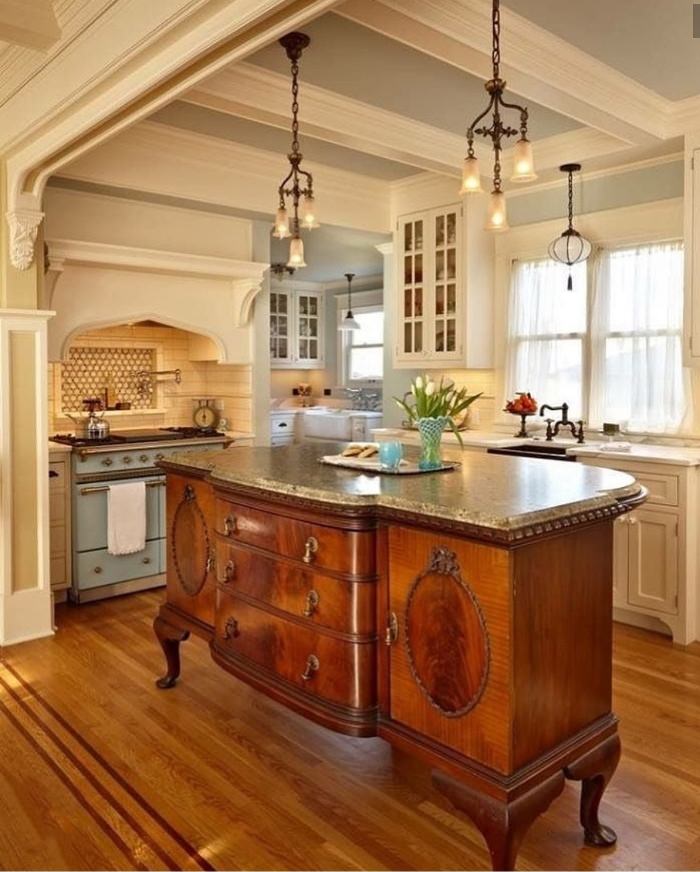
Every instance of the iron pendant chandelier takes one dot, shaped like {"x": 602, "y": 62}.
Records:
{"x": 497, "y": 132}
{"x": 298, "y": 183}
{"x": 349, "y": 322}
{"x": 570, "y": 248}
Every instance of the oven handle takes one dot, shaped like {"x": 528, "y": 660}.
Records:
{"x": 100, "y": 490}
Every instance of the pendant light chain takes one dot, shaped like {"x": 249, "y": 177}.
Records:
{"x": 298, "y": 183}
{"x": 571, "y": 201}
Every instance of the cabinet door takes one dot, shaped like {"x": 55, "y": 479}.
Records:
{"x": 410, "y": 322}
{"x": 449, "y": 662}
{"x": 445, "y": 300}
{"x": 653, "y": 560}
{"x": 281, "y": 328}
{"x": 308, "y": 353}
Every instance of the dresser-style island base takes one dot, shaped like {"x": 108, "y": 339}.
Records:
{"x": 480, "y": 643}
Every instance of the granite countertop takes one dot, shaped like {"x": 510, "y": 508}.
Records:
{"x": 500, "y": 494}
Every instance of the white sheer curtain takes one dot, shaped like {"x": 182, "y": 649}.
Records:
{"x": 637, "y": 374}
{"x": 546, "y": 333}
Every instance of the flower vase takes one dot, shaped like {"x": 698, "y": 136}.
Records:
{"x": 430, "y": 430}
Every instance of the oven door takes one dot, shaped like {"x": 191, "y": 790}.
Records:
{"x": 90, "y": 512}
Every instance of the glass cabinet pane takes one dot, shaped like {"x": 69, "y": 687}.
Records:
{"x": 418, "y": 303}
{"x": 408, "y": 237}
{"x": 452, "y": 228}
{"x": 418, "y": 271}
{"x": 419, "y": 236}
{"x": 440, "y": 230}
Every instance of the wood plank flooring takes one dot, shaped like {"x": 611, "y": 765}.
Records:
{"x": 100, "y": 770}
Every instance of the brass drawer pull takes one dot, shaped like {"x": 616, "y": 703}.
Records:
{"x": 146, "y": 560}
{"x": 229, "y": 572}
{"x": 107, "y": 461}
{"x": 312, "y": 666}
{"x": 230, "y": 525}
{"x": 310, "y": 548}
{"x": 127, "y": 458}
{"x": 211, "y": 562}
{"x": 143, "y": 458}
{"x": 160, "y": 456}
{"x": 231, "y": 630}
{"x": 97, "y": 569}
{"x": 312, "y": 601}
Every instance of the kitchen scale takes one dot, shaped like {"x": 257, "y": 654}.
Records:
{"x": 206, "y": 415}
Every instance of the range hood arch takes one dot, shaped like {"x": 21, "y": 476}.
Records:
{"x": 91, "y": 285}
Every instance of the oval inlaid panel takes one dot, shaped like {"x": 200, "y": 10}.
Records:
{"x": 447, "y": 642}
{"x": 190, "y": 544}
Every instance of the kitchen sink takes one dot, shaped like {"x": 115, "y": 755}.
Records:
{"x": 341, "y": 425}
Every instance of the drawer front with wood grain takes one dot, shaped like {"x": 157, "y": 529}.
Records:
{"x": 345, "y": 606}
{"x": 327, "y": 667}
{"x": 349, "y": 552}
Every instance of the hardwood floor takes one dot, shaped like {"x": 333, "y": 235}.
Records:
{"x": 100, "y": 770}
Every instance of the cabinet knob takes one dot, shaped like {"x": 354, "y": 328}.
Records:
{"x": 127, "y": 458}
{"x": 97, "y": 570}
{"x": 310, "y": 548}
{"x": 311, "y": 668}
{"x": 231, "y": 629}
{"x": 160, "y": 456}
{"x": 143, "y": 458}
{"x": 312, "y": 601}
{"x": 146, "y": 560}
{"x": 230, "y": 525}
{"x": 107, "y": 461}
{"x": 633, "y": 521}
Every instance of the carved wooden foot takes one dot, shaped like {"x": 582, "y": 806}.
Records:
{"x": 169, "y": 638}
{"x": 594, "y": 770}
{"x": 502, "y": 824}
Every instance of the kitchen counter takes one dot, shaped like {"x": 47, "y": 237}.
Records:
{"x": 463, "y": 616}
{"x": 649, "y": 452}
{"x": 505, "y": 497}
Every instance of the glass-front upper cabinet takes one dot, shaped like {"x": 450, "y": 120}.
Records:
{"x": 296, "y": 329}
{"x": 429, "y": 249}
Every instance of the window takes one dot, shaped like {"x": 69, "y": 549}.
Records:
{"x": 612, "y": 348}
{"x": 547, "y": 331}
{"x": 637, "y": 327}
{"x": 364, "y": 348}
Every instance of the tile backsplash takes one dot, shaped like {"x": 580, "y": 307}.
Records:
{"x": 89, "y": 371}
{"x": 171, "y": 404}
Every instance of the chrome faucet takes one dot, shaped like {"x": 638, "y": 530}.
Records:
{"x": 576, "y": 429}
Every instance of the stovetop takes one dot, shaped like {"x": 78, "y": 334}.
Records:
{"x": 121, "y": 437}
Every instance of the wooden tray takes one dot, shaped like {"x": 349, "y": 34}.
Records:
{"x": 371, "y": 464}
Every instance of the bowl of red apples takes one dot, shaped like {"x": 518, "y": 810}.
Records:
{"x": 523, "y": 405}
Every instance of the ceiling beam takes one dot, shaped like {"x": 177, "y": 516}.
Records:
{"x": 32, "y": 25}
{"x": 538, "y": 65}
{"x": 243, "y": 90}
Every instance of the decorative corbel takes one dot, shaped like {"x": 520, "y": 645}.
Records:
{"x": 244, "y": 292}
{"x": 23, "y": 225}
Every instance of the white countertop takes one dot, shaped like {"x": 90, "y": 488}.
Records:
{"x": 647, "y": 452}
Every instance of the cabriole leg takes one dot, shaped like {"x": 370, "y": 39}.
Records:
{"x": 502, "y": 824}
{"x": 594, "y": 770}
{"x": 170, "y": 638}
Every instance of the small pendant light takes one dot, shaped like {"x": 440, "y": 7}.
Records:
{"x": 349, "y": 323}
{"x": 570, "y": 248}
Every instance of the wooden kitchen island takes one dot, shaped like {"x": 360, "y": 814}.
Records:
{"x": 464, "y": 616}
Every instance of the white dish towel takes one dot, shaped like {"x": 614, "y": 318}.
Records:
{"x": 126, "y": 517}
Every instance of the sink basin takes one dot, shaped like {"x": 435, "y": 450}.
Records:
{"x": 343, "y": 425}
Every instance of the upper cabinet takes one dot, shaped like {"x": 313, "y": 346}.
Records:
{"x": 296, "y": 329}
{"x": 436, "y": 320}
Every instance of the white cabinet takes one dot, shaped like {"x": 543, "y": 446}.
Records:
{"x": 443, "y": 289}
{"x": 656, "y": 550}
{"x": 282, "y": 428}
{"x": 296, "y": 328}
{"x": 429, "y": 305}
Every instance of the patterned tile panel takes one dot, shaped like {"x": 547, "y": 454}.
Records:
{"x": 89, "y": 370}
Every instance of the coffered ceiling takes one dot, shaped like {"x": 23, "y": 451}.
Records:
{"x": 650, "y": 41}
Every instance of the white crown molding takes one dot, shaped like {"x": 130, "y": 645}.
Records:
{"x": 64, "y": 252}
{"x": 213, "y": 170}
{"x": 538, "y": 65}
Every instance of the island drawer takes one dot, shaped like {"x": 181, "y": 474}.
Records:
{"x": 346, "y": 606}
{"x": 350, "y": 552}
{"x": 327, "y": 667}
